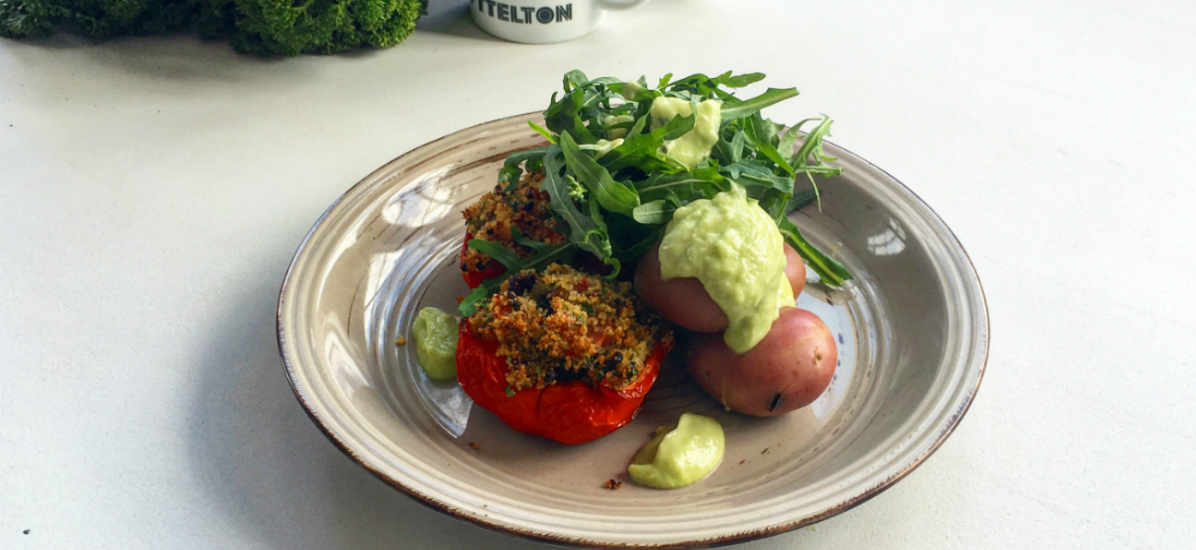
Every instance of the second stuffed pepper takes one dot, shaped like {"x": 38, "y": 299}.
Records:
{"x": 523, "y": 206}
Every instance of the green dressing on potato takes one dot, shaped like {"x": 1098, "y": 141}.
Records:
{"x": 435, "y": 334}
{"x": 681, "y": 456}
{"x": 733, "y": 247}
{"x": 695, "y": 145}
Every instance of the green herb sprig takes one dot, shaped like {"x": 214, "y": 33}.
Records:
{"x": 616, "y": 205}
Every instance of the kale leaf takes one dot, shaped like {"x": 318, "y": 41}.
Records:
{"x": 279, "y": 27}
{"x": 258, "y": 27}
{"x": 96, "y": 19}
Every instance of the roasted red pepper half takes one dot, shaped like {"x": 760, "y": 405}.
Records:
{"x": 567, "y": 412}
{"x": 474, "y": 277}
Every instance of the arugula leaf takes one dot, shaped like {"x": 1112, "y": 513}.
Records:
{"x": 740, "y": 81}
{"x": 634, "y": 91}
{"x": 738, "y": 144}
{"x": 603, "y": 235}
{"x": 510, "y": 173}
{"x": 542, "y": 131}
{"x": 605, "y": 81}
{"x": 479, "y": 294}
{"x": 544, "y": 255}
{"x": 774, "y": 204}
{"x": 800, "y": 199}
{"x": 645, "y": 186}
{"x": 751, "y": 173}
{"x": 655, "y": 212}
{"x": 703, "y": 182}
{"x": 812, "y": 146}
{"x": 560, "y": 200}
{"x": 611, "y": 194}
{"x": 749, "y": 106}
{"x": 761, "y": 134}
{"x": 583, "y": 232}
{"x": 575, "y": 79}
{"x": 502, "y": 254}
{"x": 631, "y": 239}
{"x": 813, "y": 143}
{"x": 705, "y": 87}
{"x": 831, "y": 271}
{"x": 636, "y": 129}
{"x": 557, "y": 253}
{"x": 565, "y": 115}
{"x": 788, "y": 142}
{"x": 647, "y": 146}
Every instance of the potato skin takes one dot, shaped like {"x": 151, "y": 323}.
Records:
{"x": 685, "y": 302}
{"x": 786, "y": 371}
{"x": 795, "y": 270}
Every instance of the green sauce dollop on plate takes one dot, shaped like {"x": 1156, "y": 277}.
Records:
{"x": 435, "y": 335}
{"x": 681, "y": 456}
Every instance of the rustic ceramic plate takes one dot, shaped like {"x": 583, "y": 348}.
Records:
{"x": 912, "y": 330}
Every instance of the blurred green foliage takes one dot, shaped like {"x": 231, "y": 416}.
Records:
{"x": 257, "y": 27}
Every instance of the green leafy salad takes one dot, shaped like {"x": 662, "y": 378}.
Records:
{"x": 623, "y": 156}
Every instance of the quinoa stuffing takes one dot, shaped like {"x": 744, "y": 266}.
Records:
{"x": 562, "y": 324}
{"x": 524, "y": 206}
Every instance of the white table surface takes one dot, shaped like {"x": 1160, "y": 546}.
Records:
{"x": 152, "y": 192}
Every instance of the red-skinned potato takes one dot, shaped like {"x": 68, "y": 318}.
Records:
{"x": 786, "y": 371}
{"x": 685, "y": 302}
{"x": 795, "y": 270}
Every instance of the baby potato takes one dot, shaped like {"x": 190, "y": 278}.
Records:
{"x": 786, "y": 371}
{"x": 685, "y": 302}
{"x": 795, "y": 270}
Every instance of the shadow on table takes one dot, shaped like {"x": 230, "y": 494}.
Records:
{"x": 175, "y": 59}
{"x": 269, "y": 468}
{"x": 452, "y": 17}
{"x": 259, "y": 458}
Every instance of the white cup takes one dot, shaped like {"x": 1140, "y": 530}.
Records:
{"x": 543, "y": 21}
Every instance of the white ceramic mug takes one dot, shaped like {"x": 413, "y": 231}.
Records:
{"x": 543, "y": 21}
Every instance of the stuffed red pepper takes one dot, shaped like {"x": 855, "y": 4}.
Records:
{"x": 561, "y": 354}
{"x": 523, "y": 206}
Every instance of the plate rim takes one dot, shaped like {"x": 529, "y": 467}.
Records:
{"x": 736, "y": 538}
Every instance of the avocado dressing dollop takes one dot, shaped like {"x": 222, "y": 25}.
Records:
{"x": 435, "y": 335}
{"x": 733, "y": 247}
{"x": 696, "y": 144}
{"x": 617, "y": 119}
{"x": 681, "y": 456}
{"x": 603, "y": 146}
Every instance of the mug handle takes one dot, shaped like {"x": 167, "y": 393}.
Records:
{"x": 620, "y": 4}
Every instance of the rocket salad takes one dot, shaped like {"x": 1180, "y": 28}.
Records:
{"x": 615, "y": 169}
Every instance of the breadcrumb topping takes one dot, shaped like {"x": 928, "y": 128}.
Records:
{"x": 525, "y": 206}
{"x": 563, "y": 324}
